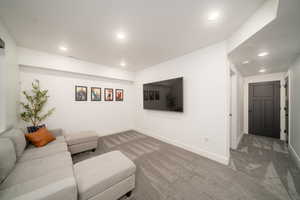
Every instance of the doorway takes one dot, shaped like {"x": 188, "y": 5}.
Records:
{"x": 264, "y": 109}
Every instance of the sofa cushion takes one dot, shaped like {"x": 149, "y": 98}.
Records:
{"x": 26, "y": 171}
{"x": 56, "y": 132}
{"x": 18, "y": 139}
{"x": 81, "y": 137}
{"x": 54, "y": 185}
{"x": 59, "y": 139}
{"x": 106, "y": 171}
{"x": 40, "y": 138}
{"x": 31, "y": 152}
{"x": 7, "y": 157}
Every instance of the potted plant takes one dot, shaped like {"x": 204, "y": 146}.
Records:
{"x": 32, "y": 109}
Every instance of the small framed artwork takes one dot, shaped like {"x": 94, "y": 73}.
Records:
{"x": 108, "y": 94}
{"x": 119, "y": 94}
{"x": 95, "y": 94}
{"x": 80, "y": 93}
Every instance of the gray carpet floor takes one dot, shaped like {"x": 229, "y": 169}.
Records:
{"x": 269, "y": 162}
{"x": 166, "y": 172}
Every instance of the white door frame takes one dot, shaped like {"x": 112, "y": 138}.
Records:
{"x": 264, "y": 78}
{"x": 2, "y": 89}
{"x": 233, "y": 110}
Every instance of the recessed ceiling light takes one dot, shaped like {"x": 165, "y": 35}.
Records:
{"x": 262, "y": 70}
{"x": 213, "y": 16}
{"x": 123, "y": 64}
{"x": 63, "y": 48}
{"x": 263, "y": 54}
{"x": 121, "y": 35}
{"x": 246, "y": 62}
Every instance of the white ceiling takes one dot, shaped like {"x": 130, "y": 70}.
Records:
{"x": 281, "y": 38}
{"x": 157, "y": 30}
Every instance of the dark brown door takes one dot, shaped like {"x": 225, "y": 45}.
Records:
{"x": 264, "y": 109}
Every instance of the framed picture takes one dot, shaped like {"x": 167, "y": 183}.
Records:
{"x": 119, "y": 94}
{"x": 95, "y": 94}
{"x": 80, "y": 93}
{"x": 108, "y": 94}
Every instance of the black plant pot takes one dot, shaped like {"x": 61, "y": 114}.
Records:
{"x": 32, "y": 129}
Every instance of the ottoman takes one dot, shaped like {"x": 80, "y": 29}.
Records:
{"x": 81, "y": 141}
{"x": 108, "y": 176}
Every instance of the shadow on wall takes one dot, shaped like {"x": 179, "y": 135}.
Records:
{"x": 2, "y": 102}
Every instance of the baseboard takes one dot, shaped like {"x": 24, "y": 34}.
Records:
{"x": 295, "y": 156}
{"x": 221, "y": 159}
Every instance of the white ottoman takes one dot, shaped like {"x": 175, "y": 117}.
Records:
{"x": 81, "y": 141}
{"x": 105, "y": 177}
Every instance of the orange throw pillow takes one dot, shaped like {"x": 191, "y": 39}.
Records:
{"x": 40, "y": 138}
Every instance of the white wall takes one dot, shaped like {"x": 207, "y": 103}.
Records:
{"x": 33, "y": 58}
{"x": 103, "y": 117}
{"x": 204, "y": 126}
{"x": 264, "y": 78}
{"x": 9, "y": 84}
{"x": 262, "y": 17}
{"x": 294, "y": 137}
{"x": 59, "y": 74}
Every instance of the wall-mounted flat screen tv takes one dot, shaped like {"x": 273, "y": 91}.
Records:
{"x": 164, "y": 95}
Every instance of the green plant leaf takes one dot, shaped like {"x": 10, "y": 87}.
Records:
{"x": 33, "y": 108}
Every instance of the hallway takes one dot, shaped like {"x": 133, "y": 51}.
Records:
{"x": 268, "y": 161}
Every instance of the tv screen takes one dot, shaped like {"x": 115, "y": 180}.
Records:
{"x": 164, "y": 95}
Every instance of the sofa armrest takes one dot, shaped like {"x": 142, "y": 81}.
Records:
{"x": 57, "y": 132}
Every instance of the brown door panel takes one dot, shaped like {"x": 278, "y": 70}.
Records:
{"x": 264, "y": 109}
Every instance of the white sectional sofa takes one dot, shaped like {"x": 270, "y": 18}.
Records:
{"x": 37, "y": 173}
{"x": 47, "y": 173}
